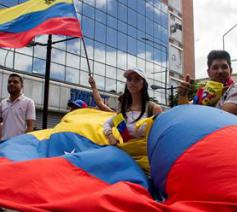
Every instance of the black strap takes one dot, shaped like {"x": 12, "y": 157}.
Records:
{"x": 150, "y": 109}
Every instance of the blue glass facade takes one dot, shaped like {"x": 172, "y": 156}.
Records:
{"x": 119, "y": 34}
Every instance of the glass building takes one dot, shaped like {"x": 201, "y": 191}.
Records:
{"x": 119, "y": 34}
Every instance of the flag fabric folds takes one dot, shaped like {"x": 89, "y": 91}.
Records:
{"x": 68, "y": 167}
{"x": 20, "y": 24}
{"x": 72, "y": 168}
{"x": 193, "y": 158}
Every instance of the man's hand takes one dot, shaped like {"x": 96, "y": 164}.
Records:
{"x": 184, "y": 86}
{"x": 29, "y": 125}
{"x": 183, "y": 91}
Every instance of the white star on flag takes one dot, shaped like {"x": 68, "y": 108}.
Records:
{"x": 73, "y": 151}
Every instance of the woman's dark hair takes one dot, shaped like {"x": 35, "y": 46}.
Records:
{"x": 126, "y": 100}
{"x": 216, "y": 55}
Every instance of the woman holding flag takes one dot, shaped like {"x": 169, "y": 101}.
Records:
{"x": 130, "y": 123}
{"x": 134, "y": 105}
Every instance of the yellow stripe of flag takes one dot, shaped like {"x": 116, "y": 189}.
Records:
{"x": 85, "y": 122}
{"x": 118, "y": 119}
{"x": 9, "y": 14}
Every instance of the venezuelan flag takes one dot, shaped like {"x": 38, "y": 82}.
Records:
{"x": 71, "y": 168}
{"x": 20, "y": 24}
{"x": 120, "y": 124}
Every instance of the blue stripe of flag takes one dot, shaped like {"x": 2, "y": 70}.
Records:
{"x": 176, "y": 130}
{"x": 121, "y": 126}
{"x": 107, "y": 163}
{"x": 31, "y": 20}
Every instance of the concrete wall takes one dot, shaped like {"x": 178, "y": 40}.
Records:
{"x": 188, "y": 38}
{"x": 177, "y": 4}
{"x": 59, "y": 93}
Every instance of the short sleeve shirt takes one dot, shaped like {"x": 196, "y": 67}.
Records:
{"x": 14, "y": 115}
{"x": 230, "y": 96}
{"x": 131, "y": 125}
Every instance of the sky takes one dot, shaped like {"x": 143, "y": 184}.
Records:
{"x": 212, "y": 19}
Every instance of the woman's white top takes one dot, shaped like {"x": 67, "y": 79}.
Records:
{"x": 131, "y": 125}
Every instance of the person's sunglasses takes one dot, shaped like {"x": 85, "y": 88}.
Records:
{"x": 223, "y": 67}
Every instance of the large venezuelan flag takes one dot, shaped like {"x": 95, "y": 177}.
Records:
{"x": 20, "y": 24}
{"x": 71, "y": 168}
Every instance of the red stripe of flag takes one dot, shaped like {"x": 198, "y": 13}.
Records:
{"x": 54, "y": 184}
{"x": 58, "y": 26}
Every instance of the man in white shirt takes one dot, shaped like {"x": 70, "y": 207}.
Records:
{"x": 17, "y": 113}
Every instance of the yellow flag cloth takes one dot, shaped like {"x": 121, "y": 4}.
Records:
{"x": 89, "y": 123}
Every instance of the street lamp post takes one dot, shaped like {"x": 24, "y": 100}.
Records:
{"x": 171, "y": 88}
{"x": 47, "y": 74}
{"x": 226, "y": 33}
{"x": 5, "y": 58}
{"x": 166, "y": 63}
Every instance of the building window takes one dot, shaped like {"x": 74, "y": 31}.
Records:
{"x": 114, "y": 33}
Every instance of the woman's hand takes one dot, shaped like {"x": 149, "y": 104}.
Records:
{"x": 112, "y": 139}
{"x": 92, "y": 82}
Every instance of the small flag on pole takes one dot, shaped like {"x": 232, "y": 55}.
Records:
{"x": 120, "y": 124}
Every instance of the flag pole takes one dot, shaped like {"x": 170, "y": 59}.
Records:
{"x": 46, "y": 82}
{"x": 47, "y": 78}
{"x": 87, "y": 59}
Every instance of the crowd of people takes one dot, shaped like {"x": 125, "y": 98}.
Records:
{"x": 17, "y": 112}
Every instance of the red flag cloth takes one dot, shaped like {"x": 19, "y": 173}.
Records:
{"x": 39, "y": 185}
{"x": 195, "y": 170}
{"x": 51, "y": 184}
